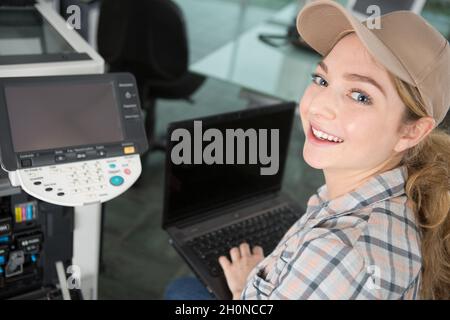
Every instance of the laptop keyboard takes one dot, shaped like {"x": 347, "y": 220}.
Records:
{"x": 265, "y": 230}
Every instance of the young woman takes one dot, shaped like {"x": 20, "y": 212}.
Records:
{"x": 380, "y": 226}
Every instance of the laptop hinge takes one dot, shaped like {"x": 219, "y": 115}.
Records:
{"x": 219, "y": 211}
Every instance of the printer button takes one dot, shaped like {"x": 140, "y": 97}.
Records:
{"x": 25, "y": 163}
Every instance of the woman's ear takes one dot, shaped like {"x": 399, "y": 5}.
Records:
{"x": 414, "y": 132}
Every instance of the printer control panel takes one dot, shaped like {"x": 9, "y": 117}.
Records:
{"x": 81, "y": 183}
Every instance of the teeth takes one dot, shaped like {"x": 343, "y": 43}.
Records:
{"x": 325, "y": 136}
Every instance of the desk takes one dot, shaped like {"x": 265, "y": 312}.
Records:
{"x": 282, "y": 73}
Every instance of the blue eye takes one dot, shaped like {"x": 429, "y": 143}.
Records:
{"x": 319, "y": 80}
{"x": 360, "y": 97}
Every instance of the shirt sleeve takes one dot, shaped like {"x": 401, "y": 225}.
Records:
{"x": 321, "y": 268}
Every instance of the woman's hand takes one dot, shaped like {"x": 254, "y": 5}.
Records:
{"x": 242, "y": 263}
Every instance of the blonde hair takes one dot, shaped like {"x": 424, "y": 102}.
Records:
{"x": 428, "y": 187}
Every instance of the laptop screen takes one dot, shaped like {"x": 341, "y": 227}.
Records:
{"x": 207, "y": 179}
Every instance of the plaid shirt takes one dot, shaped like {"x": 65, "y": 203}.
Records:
{"x": 363, "y": 245}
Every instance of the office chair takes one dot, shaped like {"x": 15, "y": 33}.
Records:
{"x": 148, "y": 39}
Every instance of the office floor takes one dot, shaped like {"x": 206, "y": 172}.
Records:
{"x": 138, "y": 262}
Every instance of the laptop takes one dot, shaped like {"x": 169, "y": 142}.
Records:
{"x": 211, "y": 207}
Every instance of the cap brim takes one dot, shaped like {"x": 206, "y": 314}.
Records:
{"x": 323, "y": 23}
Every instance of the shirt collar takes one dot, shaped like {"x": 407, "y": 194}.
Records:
{"x": 383, "y": 186}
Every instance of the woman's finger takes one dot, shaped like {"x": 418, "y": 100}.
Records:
{"x": 235, "y": 254}
{"x": 224, "y": 262}
{"x": 258, "y": 250}
{"x": 245, "y": 250}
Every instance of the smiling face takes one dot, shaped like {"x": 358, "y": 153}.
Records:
{"x": 351, "y": 112}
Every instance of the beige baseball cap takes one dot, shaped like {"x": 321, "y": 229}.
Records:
{"x": 405, "y": 44}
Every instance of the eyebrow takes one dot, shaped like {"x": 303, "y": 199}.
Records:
{"x": 323, "y": 66}
{"x": 356, "y": 77}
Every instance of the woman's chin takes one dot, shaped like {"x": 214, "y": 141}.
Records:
{"x": 314, "y": 160}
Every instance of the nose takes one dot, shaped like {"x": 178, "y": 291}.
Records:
{"x": 323, "y": 106}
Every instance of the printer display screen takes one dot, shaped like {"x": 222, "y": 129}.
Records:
{"x": 62, "y": 115}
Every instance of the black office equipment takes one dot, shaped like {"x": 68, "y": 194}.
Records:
{"x": 208, "y": 209}
{"x": 34, "y": 235}
{"x": 148, "y": 39}
{"x": 291, "y": 37}
{"x": 63, "y": 126}
{"x": 90, "y": 124}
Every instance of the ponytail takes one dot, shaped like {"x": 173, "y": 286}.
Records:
{"x": 428, "y": 189}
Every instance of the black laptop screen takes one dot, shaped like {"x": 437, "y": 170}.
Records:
{"x": 192, "y": 189}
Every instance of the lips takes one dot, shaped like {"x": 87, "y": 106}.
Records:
{"x": 319, "y": 136}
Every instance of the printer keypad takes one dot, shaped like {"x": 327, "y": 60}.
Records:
{"x": 90, "y": 180}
